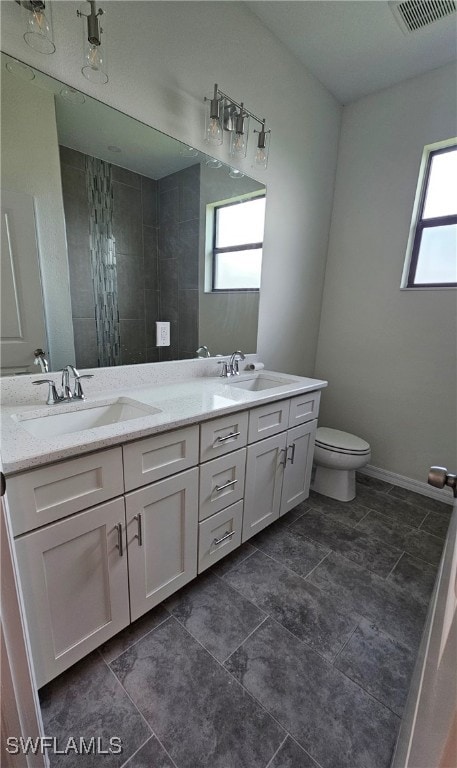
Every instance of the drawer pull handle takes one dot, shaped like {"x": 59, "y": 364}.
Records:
{"x": 226, "y": 485}
{"x": 292, "y": 456}
{"x": 139, "y": 535}
{"x": 227, "y": 535}
{"x": 228, "y": 437}
{"x": 119, "y": 544}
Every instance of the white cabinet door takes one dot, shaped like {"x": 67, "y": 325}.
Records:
{"x": 162, "y": 534}
{"x": 74, "y": 582}
{"x": 299, "y": 461}
{"x": 264, "y": 473}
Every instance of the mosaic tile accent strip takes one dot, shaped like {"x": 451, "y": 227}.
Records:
{"x": 103, "y": 260}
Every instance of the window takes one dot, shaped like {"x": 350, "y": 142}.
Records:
{"x": 237, "y": 245}
{"x": 434, "y": 245}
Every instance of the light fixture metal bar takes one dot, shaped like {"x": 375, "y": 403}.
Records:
{"x": 228, "y": 98}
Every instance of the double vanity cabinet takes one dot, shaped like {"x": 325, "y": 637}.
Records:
{"x": 102, "y": 538}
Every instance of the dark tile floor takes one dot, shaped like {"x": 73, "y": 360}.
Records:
{"x": 294, "y": 652}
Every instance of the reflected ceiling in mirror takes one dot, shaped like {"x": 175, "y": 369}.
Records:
{"x": 139, "y": 211}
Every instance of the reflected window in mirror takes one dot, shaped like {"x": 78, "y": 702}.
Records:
{"x": 237, "y": 245}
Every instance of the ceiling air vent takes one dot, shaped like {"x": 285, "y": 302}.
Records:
{"x": 412, "y": 15}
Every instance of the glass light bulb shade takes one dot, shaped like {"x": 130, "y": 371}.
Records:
{"x": 38, "y": 34}
{"x": 94, "y": 67}
{"x": 214, "y": 133}
{"x": 262, "y": 153}
{"x": 239, "y": 141}
{"x": 238, "y": 144}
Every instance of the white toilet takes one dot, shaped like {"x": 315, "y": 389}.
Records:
{"x": 336, "y": 457}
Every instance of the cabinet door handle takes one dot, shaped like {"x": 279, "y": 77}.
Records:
{"x": 226, "y": 485}
{"x": 228, "y": 437}
{"x": 283, "y": 461}
{"x": 139, "y": 535}
{"x": 227, "y": 535}
{"x": 119, "y": 544}
{"x": 292, "y": 456}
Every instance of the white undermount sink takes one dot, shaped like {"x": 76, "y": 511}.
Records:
{"x": 259, "y": 381}
{"x": 87, "y": 416}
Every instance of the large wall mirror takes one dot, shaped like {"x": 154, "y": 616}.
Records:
{"x": 131, "y": 226}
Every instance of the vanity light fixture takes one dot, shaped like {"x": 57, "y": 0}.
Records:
{"x": 38, "y": 33}
{"x": 226, "y": 114}
{"x": 94, "y": 64}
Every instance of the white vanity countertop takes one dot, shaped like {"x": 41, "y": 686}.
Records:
{"x": 180, "y": 404}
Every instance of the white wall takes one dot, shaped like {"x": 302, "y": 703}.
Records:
{"x": 389, "y": 355}
{"x": 28, "y": 122}
{"x": 163, "y": 59}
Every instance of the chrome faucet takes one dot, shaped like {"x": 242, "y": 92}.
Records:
{"x": 233, "y": 364}
{"x": 77, "y": 393}
{"x": 66, "y": 390}
{"x": 203, "y": 351}
{"x": 41, "y": 360}
{"x": 54, "y": 396}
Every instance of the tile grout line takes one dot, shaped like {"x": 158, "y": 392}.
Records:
{"x": 125, "y": 765}
{"x": 279, "y": 748}
{"x": 267, "y": 616}
{"x": 138, "y": 640}
{"x": 368, "y": 512}
{"x": 318, "y": 765}
{"x": 295, "y": 573}
{"x": 135, "y": 706}
{"x": 153, "y": 733}
{"x": 368, "y": 693}
{"x": 347, "y": 641}
{"x": 317, "y": 566}
{"x": 392, "y": 569}
{"x": 227, "y": 671}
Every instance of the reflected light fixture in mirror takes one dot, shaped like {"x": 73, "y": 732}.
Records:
{"x": 38, "y": 33}
{"x": 94, "y": 66}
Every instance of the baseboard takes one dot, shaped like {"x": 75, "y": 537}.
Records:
{"x": 417, "y": 486}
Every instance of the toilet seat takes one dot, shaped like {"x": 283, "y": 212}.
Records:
{"x": 336, "y": 441}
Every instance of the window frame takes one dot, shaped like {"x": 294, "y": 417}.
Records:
{"x": 231, "y": 248}
{"x": 420, "y": 224}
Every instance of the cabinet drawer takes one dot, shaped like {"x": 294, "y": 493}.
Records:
{"x": 219, "y": 535}
{"x": 221, "y": 482}
{"x": 304, "y": 408}
{"x": 47, "y": 494}
{"x": 154, "y": 458}
{"x": 223, "y": 435}
{"x": 268, "y": 420}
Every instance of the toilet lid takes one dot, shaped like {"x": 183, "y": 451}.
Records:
{"x": 334, "y": 439}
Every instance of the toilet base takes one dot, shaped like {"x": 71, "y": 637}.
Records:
{"x": 336, "y": 483}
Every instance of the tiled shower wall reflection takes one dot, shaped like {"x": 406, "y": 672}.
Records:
{"x": 149, "y": 288}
